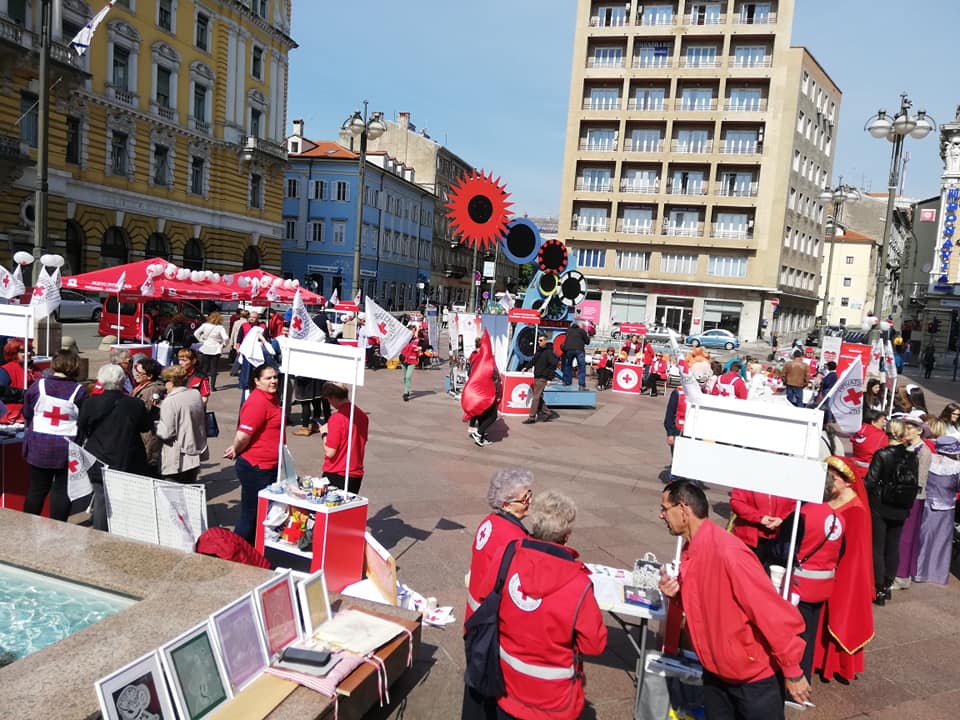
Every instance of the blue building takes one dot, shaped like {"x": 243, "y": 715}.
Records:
{"x": 320, "y": 224}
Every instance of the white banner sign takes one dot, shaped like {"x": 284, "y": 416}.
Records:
{"x": 16, "y": 321}
{"x": 830, "y": 349}
{"x": 323, "y": 361}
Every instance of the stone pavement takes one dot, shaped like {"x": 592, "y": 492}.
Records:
{"x": 427, "y": 481}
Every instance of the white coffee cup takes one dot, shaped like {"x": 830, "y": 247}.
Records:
{"x": 776, "y": 575}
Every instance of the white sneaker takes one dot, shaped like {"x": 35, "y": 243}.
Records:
{"x": 474, "y": 434}
{"x": 901, "y": 583}
{"x": 480, "y": 441}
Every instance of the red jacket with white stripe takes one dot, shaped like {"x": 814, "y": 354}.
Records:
{"x": 546, "y": 608}
{"x": 493, "y": 535}
{"x": 731, "y": 385}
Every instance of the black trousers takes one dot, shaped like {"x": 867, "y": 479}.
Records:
{"x": 486, "y": 420}
{"x": 651, "y": 384}
{"x": 316, "y": 410}
{"x": 338, "y": 482}
{"x": 44, "y": 481}
{"x": 476, "y": 706}
{"x": 208, "y": 366}
{"x": 810, "y": 612}
{"x": 759, "y": 700}
{"x": 886, "y": 549}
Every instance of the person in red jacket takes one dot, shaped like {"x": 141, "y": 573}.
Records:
{"x": 509, "y": 494}
{"x": 548, "y": 618}
{"x": 730, "y": 384}
{"x": 758, "y": 520}
{"x": 409, "y": 359}
{"x": 745, "y": 635}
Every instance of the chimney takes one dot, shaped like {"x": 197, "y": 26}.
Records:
{"x": 298, "y": 127}
{"x": 403, "y": 120}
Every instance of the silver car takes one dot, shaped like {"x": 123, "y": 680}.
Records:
{"x": 74, "y": 306}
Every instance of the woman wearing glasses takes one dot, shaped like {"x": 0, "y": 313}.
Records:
{"x": 951, "y": 418}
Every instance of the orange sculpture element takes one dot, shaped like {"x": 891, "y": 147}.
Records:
{"x": 697, "y": 355}
{"x": 479, "y": 210}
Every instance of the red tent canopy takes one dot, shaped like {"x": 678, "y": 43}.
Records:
{"x": 266, "y": 280}
{"x": 135, "y": 274}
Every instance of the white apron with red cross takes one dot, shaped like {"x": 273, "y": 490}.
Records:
{"x": 56, "y": 416}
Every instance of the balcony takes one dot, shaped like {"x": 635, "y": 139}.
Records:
{"x": 601, "y": 62}
{"x": 749, "y": 63}
{"x": 635, "y": 228}
{"x": 454, "y": 271}
{"x": 583, "y": 185}
{"x": 731, "y": 232}
{"x": 689, "y": 105}
{"x": 639, "y": 188}
{"x": 122, "y": 95}
{"x": 744, "y": 19}
{"x": 691, "y": 188}
{"x": 654, "y": 63}
{"x": 918, "y": 292}
{"x": 657, "y": 20}
{"x": 601, "y": 104}
{"x": 712, "y": 20}
{"x": 683, "y": 230}
{"x": 648, "y": 105}
{"x": 691, "y": 148}
{"x": 644, "y": 146}
{"x": 251, "y": 146}
{"x": 698, "y": 63}
{"x": 735, "y": 147}
{"x": 14, "y": 159}
{"x": 750, "y": 190}
{"x": 201, "y": 126}
{"x": 165, "y": 112}
{"x": 610, "y": 22}
{"x": 758, "y": 105}
{"x": 589, "y": 225}
{"x": 598, "y": 145}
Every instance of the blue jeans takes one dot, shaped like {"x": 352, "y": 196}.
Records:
{"x": 581, "y": 358}
{"x": 252, "y": 480}
{"x": 795, "y": 396}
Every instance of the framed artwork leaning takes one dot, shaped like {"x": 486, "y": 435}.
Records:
{"x": 314, "y": 602}
{"x": 240, "y": 641}
{"x": 277, "y": 609}
{"x": 198, "y": 681}
{"x": 137, "y": 690}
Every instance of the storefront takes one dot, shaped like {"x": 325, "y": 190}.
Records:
{"x": 723, "y": 315}
{"x": 675, "y": 313}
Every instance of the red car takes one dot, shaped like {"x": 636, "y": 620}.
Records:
{"x": 127, "y": 325}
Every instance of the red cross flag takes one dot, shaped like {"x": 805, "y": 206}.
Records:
{"x": 334, "y": 297}
{"x": 391, "y": 332}
{"x": 79, "y": 462}
{"x": 302, "y": 327}
{"x": 46, "y": 294}
{"x": 11, "y": 284}
{"x": 890, "y": 366}
{"x": 876, "y": 355}
{"x": 356, "y": 299}
{"x": 845, "y": 399}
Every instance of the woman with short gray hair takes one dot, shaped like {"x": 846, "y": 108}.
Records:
{"x": 509, "y": 495}
{"x": 551, "y": 517}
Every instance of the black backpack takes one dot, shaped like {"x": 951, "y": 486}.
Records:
{"x": 901, "y": 490}
{"x": 482, "y": 638}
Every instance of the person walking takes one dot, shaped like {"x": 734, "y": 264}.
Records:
{"x": 929, "y": 359}
{"x": 182, "y": 428}
{"x": 409, "y": 358}
{"x": 544, "y": 363}
{"x": 213, "y": 339}
{"x": 335, "y": 435}
{"x": 574, "y": 348}
{"x": 51, "y": 407}
{"x": 236, "y": 324}
{"x": 255, "y": 447}
{"x": 745, "y": 635}
{"x": 795, "y": 376}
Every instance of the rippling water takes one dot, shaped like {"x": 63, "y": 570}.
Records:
{"x": 37, "y": 610}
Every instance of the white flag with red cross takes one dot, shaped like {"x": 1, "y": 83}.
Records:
{"x": 876, "y": 355}
{"x": 890, "y": 365}
{"x": 11, "y": 283}
{"x": 393, "y": 335}
{"x": 79, "y": 462}
{"x": 356, "y": 298}
{"x": 45, "y": 298}
{"x": 302, "y": 326}
{"x": 334, "y": 297}
{"x": 845, "y": 399}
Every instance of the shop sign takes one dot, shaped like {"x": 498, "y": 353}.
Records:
{"x": 942, "y": 283}
{"x": 528, "y": 316}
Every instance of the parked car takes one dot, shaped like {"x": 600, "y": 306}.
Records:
{"x": 74, "y": 306}
{"x": 715, "y": 339}
{"x": 126, "y": 326}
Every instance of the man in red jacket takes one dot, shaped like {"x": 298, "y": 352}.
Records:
{"x": 745, "y": 635}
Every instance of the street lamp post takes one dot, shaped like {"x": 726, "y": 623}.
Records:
{"x": 362, "y": 127}
{"x": 895, "y": 130}
{"x": 838, "y": 196}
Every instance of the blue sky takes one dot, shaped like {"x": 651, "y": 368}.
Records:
{"x": 491, "y": 79}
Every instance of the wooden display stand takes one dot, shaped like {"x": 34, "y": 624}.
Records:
{"x": 338, "y": 537}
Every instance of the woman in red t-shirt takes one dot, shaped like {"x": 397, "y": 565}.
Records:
{"x": 409, "y": 357}
{"x": 255, "y": 447}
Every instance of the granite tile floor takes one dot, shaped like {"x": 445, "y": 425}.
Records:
{"x": 427, "y": 481}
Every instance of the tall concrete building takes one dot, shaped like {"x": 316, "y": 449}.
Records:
{"x": 697, "y": 142}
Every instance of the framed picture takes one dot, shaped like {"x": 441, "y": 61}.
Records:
{"x": 314, "y": 602}
{"x": 197, "y": 679}
{"x": 277, "y": 609}
{"x": 136, "y": 690}
{"x": 240, "y": 641}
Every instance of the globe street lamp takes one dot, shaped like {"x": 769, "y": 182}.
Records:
{"x": 838, "y": 196}
{"x": 362, "y": 127}
{"x": 895, "y": 130}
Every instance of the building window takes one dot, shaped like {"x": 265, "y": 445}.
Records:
{"x": 727, "y": 266}
{"x": 193, "y": 254}
{"x": 74, "y": 130}
{"x": 118, "y": 154}
{"x": 163, "y": 87}
{"x": 316, "y": 232}
{"x": 849, "y": 260}
{"x": 29, "y": 112}
{"x": 196, "y": 175}
{"x": 121, "y": 67}
{"x": 847, "y": 282}
{"x": 256, "y": 190}
{"x": 635, "y": 260}
{"x": 678, "y": 264}
{"x": 255, "y": 120}
{"x": 165, "y": 15}
{"x": 339, "y": 232}
{"x": 200, "y": 103}
{"x": 343, "y": 191}
{"x": 844, "y": 302}
{"x": 203, "y": 31}
{"x": 260, "y": 6}
{"x": 290, "y": 230}
{"x": 293, "y": 188}
{"x": 319, "y": 191}
{"x": 161, "y": 165}
{"x": 256, "y": 64}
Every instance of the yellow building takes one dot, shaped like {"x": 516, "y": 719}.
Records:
{"x": 165, "y": 137}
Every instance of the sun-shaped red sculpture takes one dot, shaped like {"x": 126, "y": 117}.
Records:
{"x": 479, "y": 210}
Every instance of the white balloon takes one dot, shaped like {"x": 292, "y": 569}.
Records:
{"x": 243, "y": 281}
{"x": 296, "y": 283}
{"x": 51, "y": 260}
{"x": 183, "y": 274}
{"x": 22, "y": 258}
{"x": 170, "y": 271}
{"x": 214, "y": 277}
{"x": 277, "y": 282}
{"x": 288, "y": 284}
{"x": 195, "y": 276}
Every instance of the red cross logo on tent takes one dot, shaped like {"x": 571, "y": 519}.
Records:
{"x": 74, "y": 466}
{"x": 38, "y": 291}
{"x": 297, "y": 323}
{"x": 55, "y": 416}
{"x": 382, "y": 327}
{"x": 852, "y": 397}
{"x": 6, "y": 280}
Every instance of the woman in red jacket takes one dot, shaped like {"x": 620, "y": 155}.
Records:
{"x": 758, "y": 521}
{"x": 869, "y": 438}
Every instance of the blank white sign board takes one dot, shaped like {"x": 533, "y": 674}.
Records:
{"x": 16, "y": 321}
{"x": 324, "y": 361}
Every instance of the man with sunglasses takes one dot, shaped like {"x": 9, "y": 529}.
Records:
{"x": 745, "y": 635}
